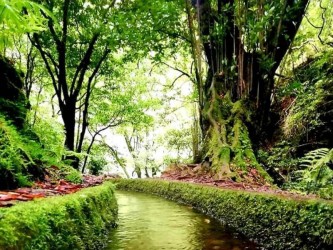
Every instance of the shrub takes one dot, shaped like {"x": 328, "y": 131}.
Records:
{"x": 14, "y": 157}
{"x": 76, "y": 221}
{"x": 96, "y": 165}
{"x": 70, "y": 174}
{"x": 317, "y": 174}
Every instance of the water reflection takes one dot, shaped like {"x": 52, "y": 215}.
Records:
{"x": 151, "y": 223}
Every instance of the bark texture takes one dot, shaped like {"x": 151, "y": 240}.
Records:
{"x": 236, "y": 94}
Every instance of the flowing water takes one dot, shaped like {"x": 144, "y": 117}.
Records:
{"x": 148, "y": 222}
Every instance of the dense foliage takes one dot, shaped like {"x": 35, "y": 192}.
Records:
{"x": 231, "y": 90}
{"x": 102, "y": 85}
{"x": 24, "y": 157}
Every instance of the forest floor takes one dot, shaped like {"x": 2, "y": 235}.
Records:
{"x": 184, "y": 173}
{"x": 253, "y": 182}
{"x": 47, "y": 188}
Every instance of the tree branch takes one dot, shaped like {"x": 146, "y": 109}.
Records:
{"x": 65, "y": 21}
{"x": 179, "y": 70}
{"x": 87, "y": 99}
{"x": 99, "y": 64}
{"x": 35, "y": 41}
{"x": 120, "y": 161}
{"x": 83, "y": 66}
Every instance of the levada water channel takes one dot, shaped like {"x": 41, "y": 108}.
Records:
{"x": 148, "y": 222}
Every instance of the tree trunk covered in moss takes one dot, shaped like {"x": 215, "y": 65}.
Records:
{"x": 244, "y": 44}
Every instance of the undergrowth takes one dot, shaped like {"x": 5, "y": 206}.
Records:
{"x": 316, "y": 175}
{"x": 301, "y": 150}
{"x": 23, "y": 158}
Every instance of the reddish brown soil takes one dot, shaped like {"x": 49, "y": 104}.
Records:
{"x": 61, "y": 187}
{"x": 47, "y": 188}
{"x": 254, "y": 184}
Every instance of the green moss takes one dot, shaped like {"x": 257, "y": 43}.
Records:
{"x": 237, "y": 131}
{"x": 223, "y": 166}
{"x": 70, "y": 174}
{"x": 274, "y": 222}
{"x": 239, "y": 110}
{"x": 13, "y": 103}
{"x": 75, "y": 221}
{"x": 225, "y": 155}
{"x": 308, "y": 113}
{"x": 228, "y": 144}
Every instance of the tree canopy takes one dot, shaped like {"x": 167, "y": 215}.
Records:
{"x": 240, "y": 86}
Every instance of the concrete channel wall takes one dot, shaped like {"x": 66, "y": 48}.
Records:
{"x": 273, "y": 221}
{"x": 75, "y": 221}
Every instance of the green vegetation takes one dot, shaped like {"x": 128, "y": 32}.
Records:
{"x": 76, "y": 221}
{"x": 23, "y": 159}
{"x": 15, "y": 156}
{"x": 239, "y": 88}
{"x": 71, "y": 81}
{"x": 303, "y": 140}
{"x": 273, "y": 221}
{"x": 14, "y": 22}
{"x": 96, "y": 166}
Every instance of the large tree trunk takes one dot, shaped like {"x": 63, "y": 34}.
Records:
{"x": 68, "y": 116}
{"x": 240, "y": 80}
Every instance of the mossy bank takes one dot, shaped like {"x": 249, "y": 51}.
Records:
{"x": 274, "y": 222}
{"x": 75, "y": 221}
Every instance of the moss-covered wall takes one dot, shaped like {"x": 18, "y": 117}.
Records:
{"x": 274, "y": 222}
{"x": 76, "y": 221}
{"x": 13, "y": 103}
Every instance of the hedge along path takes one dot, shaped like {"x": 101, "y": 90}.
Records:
{"x": 75, "y": 221}
{"x": 272, "y": 221}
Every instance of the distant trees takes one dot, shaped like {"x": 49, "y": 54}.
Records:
{"x": 236, "y": 47}
{"x": 73, "y": 50}
{"x": 78, "y": 46}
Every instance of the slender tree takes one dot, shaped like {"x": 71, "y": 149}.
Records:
{"x": 76, "y": 48}
{"x": 73, "y": 52}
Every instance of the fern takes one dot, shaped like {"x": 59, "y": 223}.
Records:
{"x": 19, "y": 154}
{"x": 316, "y": 173}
